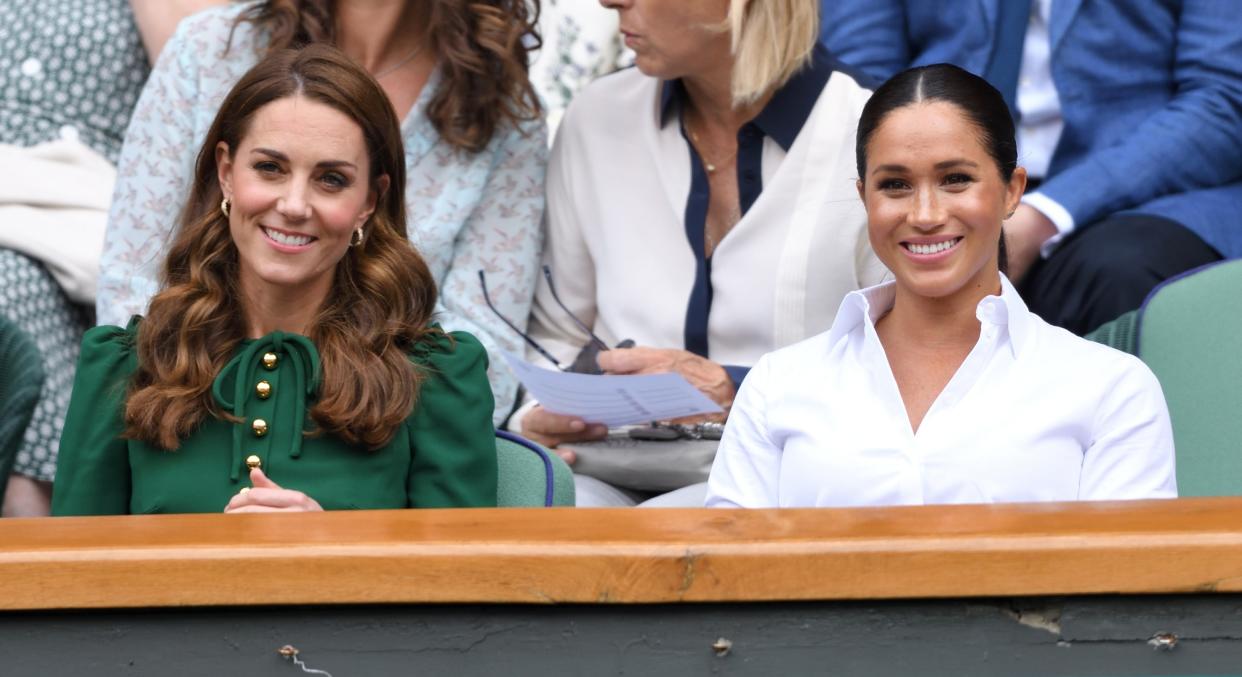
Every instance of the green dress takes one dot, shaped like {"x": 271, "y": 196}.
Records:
{"x": 444, "y": 456}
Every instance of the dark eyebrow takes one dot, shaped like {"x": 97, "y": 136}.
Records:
{"x": 335, "y": 164}
{"x": 960, "y": 162}
{"x": 888, "y": 168}
{"x": 274, "y": 154}
{"x": 955, "y": 163}
{"x": 329, "y": 164}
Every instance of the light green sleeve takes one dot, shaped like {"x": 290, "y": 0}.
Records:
{"x": 451, "y": 431}
{"x": 92, "y": 469}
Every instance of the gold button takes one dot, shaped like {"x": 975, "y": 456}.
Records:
{"x": 269, "y": 361}
{"x": 260, "y": 427}
{"x": 263, "y": 389}
{"x": 253, "y": 461}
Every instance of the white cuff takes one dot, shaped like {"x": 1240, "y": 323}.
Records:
{"x": 514, "y": 424}
{"x": 1058, "y": 215}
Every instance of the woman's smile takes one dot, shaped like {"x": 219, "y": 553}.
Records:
{"x": 287, "y": 241}
{"x": 299, "y": 187}
{"x": 931, "y": 250}
{"x": 935, "y": 200}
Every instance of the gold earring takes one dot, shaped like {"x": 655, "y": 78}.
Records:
{"x": 356, "y": 238}
{"x": 224, "y": 207}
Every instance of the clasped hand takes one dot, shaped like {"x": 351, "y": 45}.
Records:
{"x": 267, "y": 496}
{"x": 552, "y": 430}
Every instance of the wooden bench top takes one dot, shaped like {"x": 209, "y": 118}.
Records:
{"x": 622, "y": 555}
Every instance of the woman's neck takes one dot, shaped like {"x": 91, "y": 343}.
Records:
{"x": 267, "y": 307}
{"x": 710, "y": 102}
{"x": 938, "y": 323}
{"x": 378, "y": 33}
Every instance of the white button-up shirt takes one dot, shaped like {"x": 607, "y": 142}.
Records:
{"x": 1034, "y": 413}
{"x": 1040, "y": 128}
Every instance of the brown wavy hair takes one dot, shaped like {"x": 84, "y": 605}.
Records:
{"x": 482, "y": 47}
{"x": 381, "y": 300}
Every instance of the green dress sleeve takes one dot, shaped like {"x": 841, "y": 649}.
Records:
{"x": 451, "y": 431}
{"x": 92, "y": 468}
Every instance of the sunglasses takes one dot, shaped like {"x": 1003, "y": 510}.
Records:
{"x": 585, "y": 362}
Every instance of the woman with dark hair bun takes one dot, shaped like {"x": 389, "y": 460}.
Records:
{"x": 288, "y": 361}
{"x": 475, "y": 148}
{"x": 940, "y": 386}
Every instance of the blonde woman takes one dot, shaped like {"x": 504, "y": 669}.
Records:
{"x": 701, "y": 204}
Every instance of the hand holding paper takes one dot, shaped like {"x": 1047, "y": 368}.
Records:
{"x": 610, "y": 399}
{"x": 709, "y": 377}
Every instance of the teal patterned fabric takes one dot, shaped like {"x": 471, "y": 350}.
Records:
{"x": 31, "y": 300}
{"x": 68, "y": 69}
{"x": 21, "y": 377}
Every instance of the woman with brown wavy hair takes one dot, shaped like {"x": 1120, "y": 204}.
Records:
{"x": 475, "y": 148}
{"x": 290, "y": 292}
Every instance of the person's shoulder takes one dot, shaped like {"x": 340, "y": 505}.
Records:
{"x": 850, "y": 88}
{"x": 108, "y": 349}
{"x": 216, "y": 44}
{"x": 621, "y": 83}
{"x": 616, "y": 97}
{"x": 111, "y": 338}
{"x": 532, "y": 133}
{"x": 608, "y": 119}
{"x": 454, "y": 383}
{"x": 1076, "y": 356}
{"x": 853, "y": 81}
{"x": 217, "y": 20}
{"x": 448, "y": 352}
{"x": 796, "y": 359}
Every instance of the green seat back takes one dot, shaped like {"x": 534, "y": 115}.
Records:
{"x": 1190, "y": 334}
{"x": 530, "y": 476}
{"x": 21, "y": 378}
{"x": 1121, "y": 333}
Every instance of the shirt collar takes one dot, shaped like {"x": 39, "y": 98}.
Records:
{"x": 782, "y": 119}
{"x": 671, "y": 92}
{"x": 862, "y": 305}
{"x": 1008, "y": 311}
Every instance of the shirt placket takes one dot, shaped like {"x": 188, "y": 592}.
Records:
{"x": 260, "y": 418}
{"x": 881, "y": 371}
{"x": 937, "y": 434}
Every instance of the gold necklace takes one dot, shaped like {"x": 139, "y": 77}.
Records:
{"x": 397, "y": 66}
{"x": 710, "y": 166}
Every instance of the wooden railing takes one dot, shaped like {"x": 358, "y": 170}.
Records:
{"x": 622, "y": 556}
